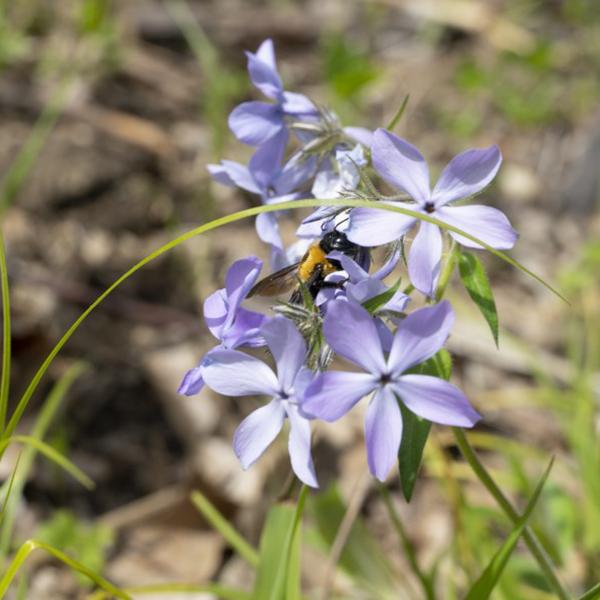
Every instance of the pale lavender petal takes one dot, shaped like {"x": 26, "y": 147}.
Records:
{"x": 295, "y": 173}
{"x": 266, "y": 53}
{"x": 245, "y": 330}
{"x": 220, "y": 175}
{"x": 350, "y": 331}
{"x": 239, "y": 175}
{"x": 420, "y": 335}
{"x": 466, "y": 174}
{"x": 233, "y": 373}
{"x": 265, "y": 163}
{"x": 256, "y": 432}
{"x": 298, "y": 105}
{"x": 354, "y": 270}
{"x": 365, "y": 290}
{"x": 304, "y": 378}
{"x": 333, "y": 393}
{"x": 299, "y": 447}
{"x": 192, "y": 382}
{"x": 264, "y": 75}
{"x": 425, "y": 257}
{"x": 383, "y": 432}
{"x": 215, "y": 312}
{"x": 397, "y": 302}
{"x": 401, "y": 165}
{"x": 385, "y": 335}
{"x": 360, "y": 134}
{"x": 484, "y": 222}
{"x": 389, "y": 265}
{"x": 374, "y": 227}
{"x": 267, "y": 229}
{"x": 287, "y": 347}
{"x": 436, "y": 400}
{"x": 240, "y": 278}
{"x": 255, "y": 122}
{"x": 335, "y": 291}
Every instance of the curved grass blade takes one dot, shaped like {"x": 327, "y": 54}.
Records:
{"x": 214, "y": 589}
{"x": 478, "y": 287}
{"x": 31, "y": 545}
{"x": 592, "y": 593}
{"x": 243, "y": 214}
{"x": 6, "y": 341}
{"x": 396, "y": 118}
{"x": 222, "y": 525}
{"x": 486, "y": 583}
{"x": 51, "y": 454}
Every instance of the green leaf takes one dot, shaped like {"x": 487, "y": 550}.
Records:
{"x": 484, "y": 586}
{"x": 6, "y": 341}
{"x": 372, "y": 304}
{"x": 415, "y": 430}
{"x": 224, "y": 527}
{"x": 592, "y": 593}
{"x": 478, "y": 286}
{"x": 278, "y": 573}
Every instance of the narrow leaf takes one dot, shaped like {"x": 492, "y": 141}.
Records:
{"x": 478, "y": 286}
{"x": 224, "y": 527}
{"x": 592, "y": 593}
{"x": 6, "y": 341}
{"x": 396, "y": 118}
{"x": 484, "y": 586}
{"x": 415, "y": 430}
{"x": 372, "y": 304}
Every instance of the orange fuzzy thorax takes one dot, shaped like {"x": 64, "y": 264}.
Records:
{"x": 314, "y": 256}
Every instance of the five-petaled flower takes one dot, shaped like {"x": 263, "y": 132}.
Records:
{"x": 420, "y": 335}
{"x": 234, "y": 373}
{"x": 403, "y": 166}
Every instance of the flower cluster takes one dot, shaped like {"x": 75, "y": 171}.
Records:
{"x": 339, "y": 308}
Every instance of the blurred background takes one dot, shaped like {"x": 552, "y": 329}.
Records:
{"x": 110, "y": 111}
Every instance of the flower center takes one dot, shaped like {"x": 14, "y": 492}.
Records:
{"x": 385, "y": 378}
{"x": 429, "y": 207}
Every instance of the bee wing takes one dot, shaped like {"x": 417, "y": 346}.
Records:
{"x": 277, "y": 283}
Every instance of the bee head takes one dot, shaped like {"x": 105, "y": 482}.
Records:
{"x": 336, "y": 240}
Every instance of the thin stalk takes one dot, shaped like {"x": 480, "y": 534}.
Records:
{"x": 409, "y": 549}
{"x": 529, "y": 536}
{"x": 6, "y": 341}
{"x": 447, "y": 271}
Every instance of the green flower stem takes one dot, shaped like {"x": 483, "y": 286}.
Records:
{"x": 447, "y": 271}
{"x": 529, "y": 536}
{"x": 6, "y": 338}
{"x": 409, "y": 549}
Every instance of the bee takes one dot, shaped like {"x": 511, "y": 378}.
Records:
{"x": 311, "y": 270}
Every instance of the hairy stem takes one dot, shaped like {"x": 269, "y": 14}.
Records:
{"x": 529, "y": 536}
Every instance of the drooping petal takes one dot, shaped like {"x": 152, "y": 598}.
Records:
{"x": 255, "y": 122}
{"x": 333, "y": 393}
{"x": 233, "y": 373}
{"x": 389, "y": 265}
{"x": 466, "y": 174}
{"x": 256, "y": 432}
{"x": 240, "y": 278}
{"x": 401, "y": 165}
{"x": 220, "y": 175}
{"x": 383, "y": 432}
{"x": 265, "y": 163}
{"x": 192, "y": 382}
{"x": 299, "y": 447}
{"x": 263, "y": 74}
{"x": 374, "y": 227}
{"x": 287, "y": 347}
{"x": 267, "y": 229}
{"x": 420, "y": 335}
{"x": 354, "y": 270}
{"x": 350, "y": 331}
{"x": 397, "y": 302}
{"x": 297, "y": 105}
{"x": 238, "y": 174}
{"x": 385, "y": 335}
{"x": 425, "y": 257}
{"x": 436, "y": 400}
{"x": 365, "y": 290}
{"x": 245, "y": 330}
{"x": 360, "y": 134}
{"x": 215, "y": 312}
{"x": 488, "y": 224}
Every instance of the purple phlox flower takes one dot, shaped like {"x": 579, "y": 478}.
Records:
{"x": 265, "y": 177}
{"x": 225, "y": 318}
{"x": 256, "y": 122}
{"x": 333, "y": 182}
{"x": 403, "y": 166}
{"x": 333, "y": 393}
{"x": 234, "y": 373}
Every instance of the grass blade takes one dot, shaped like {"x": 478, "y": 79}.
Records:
{"x": 396, "y": 118}
{"x": 220, "y": 222}
{"x": 592, "y": 593}
{"x": 31, "y": 545}
{"x": 6, "y": 336}
{"x": 222, "y": 525}
{"x": 484, "y": 586}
